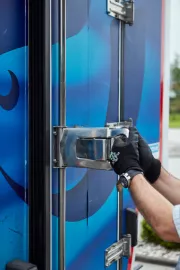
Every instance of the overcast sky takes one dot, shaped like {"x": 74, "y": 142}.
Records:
{"x": 175, "y": 29}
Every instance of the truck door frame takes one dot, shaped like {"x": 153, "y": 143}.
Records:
{"x": 39, "y": 118}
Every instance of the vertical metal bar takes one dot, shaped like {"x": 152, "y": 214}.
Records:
{"x": 63, "y": 62}
{"x": 50, "y": 141}
{"x": 62, "y": 175}
{"x": 122, "y": 36}
{"x": 119, "y": 102}
{"x": 121, "y": 118}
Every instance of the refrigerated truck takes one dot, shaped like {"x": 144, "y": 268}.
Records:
{"x": 72, "y": 72}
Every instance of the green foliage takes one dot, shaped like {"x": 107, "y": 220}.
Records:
{"x": 175, "y": 71}
{"x": 174, "y": 120}
{"x": 175, "y": 105}
{"x": 149, "y": 235}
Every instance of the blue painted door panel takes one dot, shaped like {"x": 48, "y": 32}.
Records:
{"x": 92, "y": 100}
{"x": 13, "y": 131}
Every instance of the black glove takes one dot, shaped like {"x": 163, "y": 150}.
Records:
{"x": 124, "y": 153}
{"x": 150, "y": 165}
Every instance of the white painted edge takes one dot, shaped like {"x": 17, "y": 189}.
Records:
{"x": 166, "y": 74}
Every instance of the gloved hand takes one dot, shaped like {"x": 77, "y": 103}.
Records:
{"x": 150, "y": 165}
{"x": 124, "y": 153}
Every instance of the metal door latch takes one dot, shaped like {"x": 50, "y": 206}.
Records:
{"x": 122, "y": 10}
{"x": 86, "y": 147}
{"x": 118, "y": 250}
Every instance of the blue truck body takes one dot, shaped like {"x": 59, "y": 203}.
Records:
{"x": 92, "y": 100}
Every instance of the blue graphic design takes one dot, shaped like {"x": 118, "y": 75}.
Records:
{"x": 9, "y": 101}
{"x": 12, "y": 26}
{"x": 13, "y": 123}
{"x": 92, "y": 81}
{"x": 142, "y": 76}
{"x": 143, "y": 45}
{"x": 92, "y": 100}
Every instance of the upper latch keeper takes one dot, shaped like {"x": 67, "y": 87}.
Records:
{"x": 122, "y": 10}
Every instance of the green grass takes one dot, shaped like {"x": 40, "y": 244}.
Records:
{"x": 174, "y": 120}
{"x": 149, "y": 235}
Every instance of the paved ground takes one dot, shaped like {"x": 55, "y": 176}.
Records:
{"x": 174, "y": 168}
{"x": 174, "y": 143}
{"x": 174, "y": 152}
{"x": 148, "y": 266}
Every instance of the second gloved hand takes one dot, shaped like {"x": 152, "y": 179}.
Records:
{"x": 150, "y": 165}
{"x": 124, "y": 154}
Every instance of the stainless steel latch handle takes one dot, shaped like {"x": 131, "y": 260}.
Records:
{"x": 86, "y": 147}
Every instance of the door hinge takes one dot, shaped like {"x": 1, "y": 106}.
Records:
{"x": 122, "y": 10}
{"x": 118, "y": 250}
{"x": 86, "y": 147}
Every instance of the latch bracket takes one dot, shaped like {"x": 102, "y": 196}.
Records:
{"x": 122, "y": 10}
{"x": 118, "y": 250}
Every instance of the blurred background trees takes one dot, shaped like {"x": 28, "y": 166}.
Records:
{"x": 174, "y": 116}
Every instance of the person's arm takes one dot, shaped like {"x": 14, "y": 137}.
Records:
{"x": 158, "y": 177}
{"x": 158, "y": 211}
{"x": 155, "y": 208}
{"x": 168, "y": 186}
